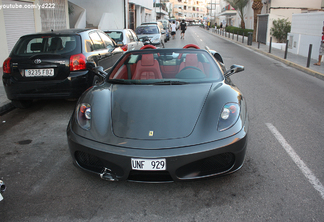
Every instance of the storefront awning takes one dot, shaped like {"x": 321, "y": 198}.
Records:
{"x": 227, "y": 13}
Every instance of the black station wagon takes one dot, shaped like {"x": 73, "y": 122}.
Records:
{"x": 58, "y": 64}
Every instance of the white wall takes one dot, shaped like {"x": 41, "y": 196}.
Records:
{"x": 297, "y": 3}
{"x": 144, "y": 3}
{"x": 306, "y": 29}
{"x": 3, "y": 39}
{"x": 109, "y": 21}
{"x": 95, "y": 10}
{"x": 74, "y": 18}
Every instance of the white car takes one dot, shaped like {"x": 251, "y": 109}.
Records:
{"x": 154, "y": 32}
{"x": 125, "y": 38}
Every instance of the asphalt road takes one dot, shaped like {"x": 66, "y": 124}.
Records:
{"x": 280, "y": 181}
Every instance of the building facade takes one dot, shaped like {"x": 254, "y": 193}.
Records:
{"x": 272, "y": 10}
{"x": 190, "y": 10}
{"x": 110, "y": 14}
{"x": 18, "y": 18}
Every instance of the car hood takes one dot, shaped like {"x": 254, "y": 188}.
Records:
{"x": 150, "y": 36}
{"x": 155, "y": 112}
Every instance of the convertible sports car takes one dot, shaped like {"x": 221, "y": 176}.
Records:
{"x": 161, "y": 115}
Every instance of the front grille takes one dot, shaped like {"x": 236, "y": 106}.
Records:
{"x": 149, "y": 176}
{"x": 206, "y": 167}
{"x": 88, "y": 161}
{"x": 96, "y": 164}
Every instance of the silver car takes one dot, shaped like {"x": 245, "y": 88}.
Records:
{"x": 125, "y": 38}
{"x": 153, "y": 31}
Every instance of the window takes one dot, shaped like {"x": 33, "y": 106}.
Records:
{"x": 96, "y": 41}
{"x": 147, "y": 30}
{"x": 130, "y": 36}
{"x": 134, "y": 35}
{"x": 115, "y": 35}
{"x": 109, "y": 44}
{"x": 45, "y": 44}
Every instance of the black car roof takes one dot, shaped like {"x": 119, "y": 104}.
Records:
{"x": 62, "y": 31}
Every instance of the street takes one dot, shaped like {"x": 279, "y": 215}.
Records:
{"x": 281, "y": 180}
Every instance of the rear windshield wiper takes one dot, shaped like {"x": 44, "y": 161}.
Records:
{"x": 170, "y": 83}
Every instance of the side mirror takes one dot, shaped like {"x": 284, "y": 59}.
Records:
{"x": 233, "y": 69}
{"x": 100, "y": 72}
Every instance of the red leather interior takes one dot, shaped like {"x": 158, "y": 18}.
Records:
{"x": 169, "y": 72}
{"x": 147, "y": 68}
{"x": 191, "y": 60}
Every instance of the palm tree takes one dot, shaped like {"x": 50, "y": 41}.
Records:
{"x": 257, "y": 7}
{"x": 239, "y": 6}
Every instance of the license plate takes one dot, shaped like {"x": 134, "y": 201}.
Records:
{"x": 39, "y": 72}
{"x": 1, "y": 198}
{"x": 148, "y": 164}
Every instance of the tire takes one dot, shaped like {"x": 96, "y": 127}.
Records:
{"x": 22, "y": 104}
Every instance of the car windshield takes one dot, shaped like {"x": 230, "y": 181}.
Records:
{"x": 115, "y": 35}
{"x": 30, "y": 45}
{"x": 152, "y": 29}
{"x": 166, "y": 66}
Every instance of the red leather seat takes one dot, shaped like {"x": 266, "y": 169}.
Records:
{"x": 147, "y": 68}
{"x": 191, "y": 60}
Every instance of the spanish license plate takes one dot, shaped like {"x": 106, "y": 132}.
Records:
{"x": 39, "y": 72}
{"x": 148, "y": 164}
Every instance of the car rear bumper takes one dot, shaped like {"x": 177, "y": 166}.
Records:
{"x": 204, "y": 160}
{"x": 71, "y": 87}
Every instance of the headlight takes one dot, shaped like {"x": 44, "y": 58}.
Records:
{"x": 229, "y": 116}
{"x": 84, "y": 115}
{"x": 155, "y": 39}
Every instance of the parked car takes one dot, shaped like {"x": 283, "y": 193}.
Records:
{"x": 154, "y": 32}
{"x": 158, "y": 23}
{"x": 125, "y": 38}
{"x": 57, "y": 64}
{"x": 164, "y": 115}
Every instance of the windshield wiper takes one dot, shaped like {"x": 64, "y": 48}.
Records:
{"x": 170, "y": 83}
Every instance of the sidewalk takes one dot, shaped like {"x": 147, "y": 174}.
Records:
{"x": 293, "y": 60}
{"x": 297, "y": 61}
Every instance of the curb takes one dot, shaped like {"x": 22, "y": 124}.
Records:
{"x": 285, "y": 61}
{"x": 289, "y": 63}
{"x": 6, "y": 107}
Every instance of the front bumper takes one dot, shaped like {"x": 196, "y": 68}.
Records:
{"x": 71, "y": 87}
{"x": 156, "y": 43}
{"x": 183, "y": 163}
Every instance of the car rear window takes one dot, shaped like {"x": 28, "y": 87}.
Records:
{"x": 30, "y": 45}
{"x": 115, "y": 35}
{"x": 147, "y": 30}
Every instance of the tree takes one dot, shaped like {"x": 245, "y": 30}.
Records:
{"x": 257, "y": 7}
{"x": 280, "y": 29}
{"x": 239, "y": 6}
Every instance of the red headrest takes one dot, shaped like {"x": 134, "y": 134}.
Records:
{"x": 147, "y": 60}
{"x": 191, "y": 60}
